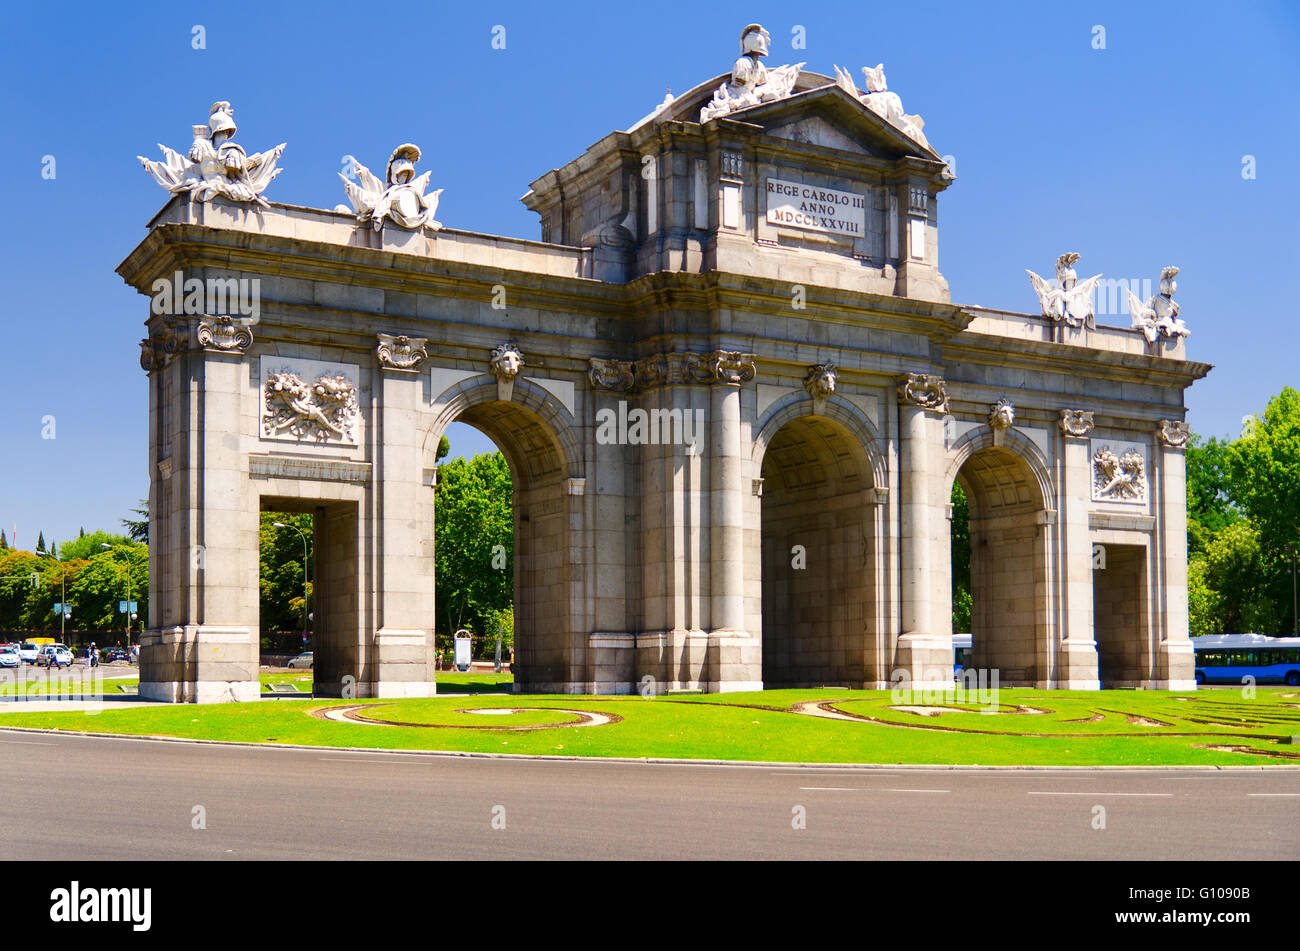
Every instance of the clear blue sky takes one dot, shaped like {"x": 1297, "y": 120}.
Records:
{"x": 1131, "y": 155}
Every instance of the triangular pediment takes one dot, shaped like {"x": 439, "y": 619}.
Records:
{"x": 818, "y": 111}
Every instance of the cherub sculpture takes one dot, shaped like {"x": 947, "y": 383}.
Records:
{"x": 1159, "y": 315}
{"x": 215, "y": 165}
{"x": 882, "y": 102}
{"x": 751, "y": 82}
{"x": 400, "y": 197}
{"x": 1068, "y": 299}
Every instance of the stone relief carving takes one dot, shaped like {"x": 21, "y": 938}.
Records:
{"x": 506, "y": 362}
{"x": 1119, "y": 476}
{"x": 401, "y": 352}
{"x": 751, "y": 82}
{"x": 1173, "y": 434}
{"x": 720, "y": 366}
{"x": 821, "y": 381}
{"x": 215, "y": 165}
{"x": 611, "y": 375}
{"x": 1076, "y": 422}
{"x": 400, "y": 198}
{"x": 1067, "y": 299}
{"x": 925, "y": 390}
{"x": 732, "y": 366}
{"x": 322, "y": 410}
{"x": 1002, "y": 415}
{"x": 882, "y": 102}
{"x": 1158, "y": 317}
{"x": 223, "y": 333}
{"x": 157, "y": 349}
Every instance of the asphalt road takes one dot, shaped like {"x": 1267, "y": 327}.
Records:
{"x": 119, "y": 799}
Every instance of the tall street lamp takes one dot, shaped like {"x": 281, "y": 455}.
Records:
{"x": 304, "y": 572}
{"x": 126, "y": 570}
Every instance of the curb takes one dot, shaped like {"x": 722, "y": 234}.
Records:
{"x": 626, "y": 760}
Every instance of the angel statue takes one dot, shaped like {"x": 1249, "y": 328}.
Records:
{"x": 400, "y": 196}
{"x": 751, "y": 82}
{"x": 882, "y": 102}
{"x": 1159, "y": 315}
{"x": 1067, "y": 299}
{"x": 215, "y": 165}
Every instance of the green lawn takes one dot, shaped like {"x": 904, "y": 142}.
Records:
{"x": 1079, "y": 728}
{"x": 448, "y": 681}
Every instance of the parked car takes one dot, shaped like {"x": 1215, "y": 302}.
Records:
{"x": 111, "y": 655}
{"x": 28, "y": 651}
{"x": 302, "y": 660}
{"x": 9, "y": 657}
{"x": 54, "y": 655}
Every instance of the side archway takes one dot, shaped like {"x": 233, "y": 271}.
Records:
{"x": 540, "y": 443}
{"x": 1011, "y": 512}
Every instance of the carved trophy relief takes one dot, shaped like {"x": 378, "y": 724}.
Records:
{"x": 319, "y": 409}
{"x": 1067, "y": 298}
{"x": 1158, "y": 317}
{"x": 215, "y": 165}
{"x": 751, "y": 82}
{"x": 1119, "y": 474}
{"x": 399, "y": 198}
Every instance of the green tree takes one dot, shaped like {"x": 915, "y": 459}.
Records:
{"x": 280, "y": 582}
{"x": 1209, "y": 491}
{"x": 91, "y": 545}
{"x": 474, "y": 547}
{"x": 1238, "y": 569}
{"x": 138, "y": 529}
{"x": 961, "y": 583}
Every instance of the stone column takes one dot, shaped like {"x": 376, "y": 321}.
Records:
{"x": 402, "y": 655}
{"x": 1076, "y": 661}
{"x": 925, "y": 643}
{"x": 735, "y": 655}
{"x": 1175, "y": 663}
{"x": 208, "y": 651}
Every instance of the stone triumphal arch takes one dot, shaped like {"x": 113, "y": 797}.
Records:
{"x": 734, "y": 395}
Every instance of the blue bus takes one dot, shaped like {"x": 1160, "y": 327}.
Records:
{"x": 1226, "y": 658}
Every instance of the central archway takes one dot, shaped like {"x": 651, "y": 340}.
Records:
{"x": 819, "y": 553}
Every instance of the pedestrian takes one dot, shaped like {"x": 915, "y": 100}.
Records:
{"x": 92, "y": 656}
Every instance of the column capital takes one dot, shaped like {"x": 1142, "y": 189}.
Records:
{"x": 1173, "y": 433}
{"x": 224, "y": 334}
{"x": 1075, "y": 423}
{"x": 400, "y": 352}
{"x": 925, "y": 390}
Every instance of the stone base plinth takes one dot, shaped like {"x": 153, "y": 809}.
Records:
{"x": 1076, "y": 666}
{"x": 1175, "y": 667}
{"x": 925, "y": 657}
{"x": 200, "y": 664}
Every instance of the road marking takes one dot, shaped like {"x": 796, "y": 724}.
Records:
{"x": 1273, "y": 794}
{"x": 1097, "y": 793}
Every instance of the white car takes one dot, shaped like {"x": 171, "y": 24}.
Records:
{"x": 28, "y": 651}
{"x": 54, "y": 655}
{"x": 10, "y": 657}
{"x": 302, "y": 660}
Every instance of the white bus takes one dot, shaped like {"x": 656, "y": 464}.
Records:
{"x": 1226, "y": 658}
